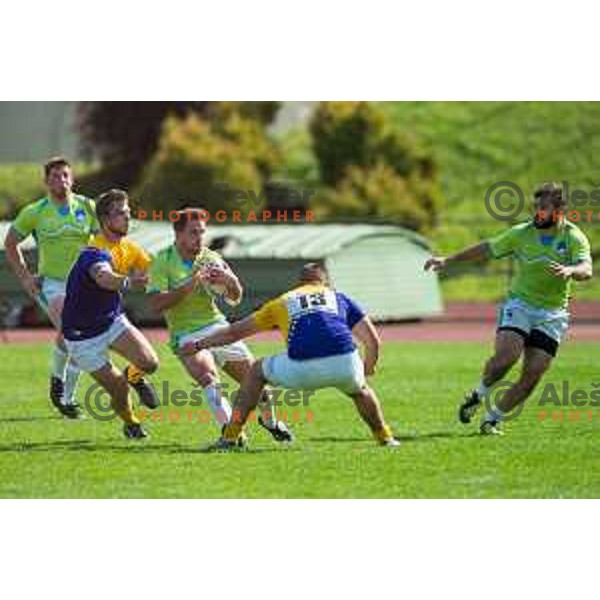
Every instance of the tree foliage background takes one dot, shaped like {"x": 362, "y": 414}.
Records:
{"x": 370, "y": 170}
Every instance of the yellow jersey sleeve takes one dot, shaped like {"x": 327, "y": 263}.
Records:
{"x": 126, "y": 254}
{"x": 273, "y": 315}
{"x": 141, "y": 259}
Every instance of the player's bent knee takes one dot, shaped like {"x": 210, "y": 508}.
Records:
{"x": 150, "y": 365}
{"x": 147, "y": 361}
{"x": 207, "y": 379}
{"x": 364, "y": 393}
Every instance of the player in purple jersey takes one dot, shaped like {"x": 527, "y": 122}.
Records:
{"x": 93, "y": 320}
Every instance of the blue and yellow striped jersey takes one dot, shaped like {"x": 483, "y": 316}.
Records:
{"x": 315, "y": 321}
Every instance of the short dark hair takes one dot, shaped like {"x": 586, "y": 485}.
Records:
{"x": 187, "y": 214}
{"x": 313, "y": 272}
{"x": 106, "y": 201}
{"x": 54, "y": 163}
{"x": 553, "y": 191}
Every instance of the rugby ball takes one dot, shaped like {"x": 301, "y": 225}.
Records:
{"x": 214, "y": 288}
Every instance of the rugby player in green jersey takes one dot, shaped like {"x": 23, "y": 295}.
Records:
{"x": 185, "y": 279}
{"x": 61, "y": 223}
{"x": 549, "y": 252}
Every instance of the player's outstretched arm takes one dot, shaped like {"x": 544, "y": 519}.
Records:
{"x": 108, "y": 279}
{"x": 474, "y": 253}
{"x": 17, "y": 263}
{"x": 367, "y": 335}
{"x": 237, "y": 331}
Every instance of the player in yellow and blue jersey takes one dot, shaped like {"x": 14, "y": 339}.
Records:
{"x": 318, "y": 324}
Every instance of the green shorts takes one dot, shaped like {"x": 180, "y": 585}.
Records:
{"x": 238, "y": 351}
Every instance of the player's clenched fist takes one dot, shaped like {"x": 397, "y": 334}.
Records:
{"x": 214, "y": 275}
{"x": 191, "y": 348}
{"x": 558, "y": 270}
{"x": 138, "y": 280}
{"x": 435, "y": 263}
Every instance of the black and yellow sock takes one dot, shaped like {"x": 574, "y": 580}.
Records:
{"x": 233, "y": 430}
{"x": 134, "y": 374}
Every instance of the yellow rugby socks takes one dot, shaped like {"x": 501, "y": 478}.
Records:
{"x": 134, "y": 374}
{"x": 126, "y": 412}
{"x": 233, "y": 430}
{"x": 384, "y": 434}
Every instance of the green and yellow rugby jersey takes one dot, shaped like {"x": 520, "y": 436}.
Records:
{"x": 60, "y": 232}
{"x": 198, "y": 309}
{"x": 532, "y": 250}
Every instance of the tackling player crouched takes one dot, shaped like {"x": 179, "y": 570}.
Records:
{"x": 318, "y": 325}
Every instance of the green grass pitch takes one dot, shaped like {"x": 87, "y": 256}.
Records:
{"x": 420, "y": 385}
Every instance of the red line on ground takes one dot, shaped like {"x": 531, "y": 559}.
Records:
{"x": 426, "y": 331}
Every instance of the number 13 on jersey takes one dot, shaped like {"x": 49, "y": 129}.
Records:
{"x": 302, "y": 303}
